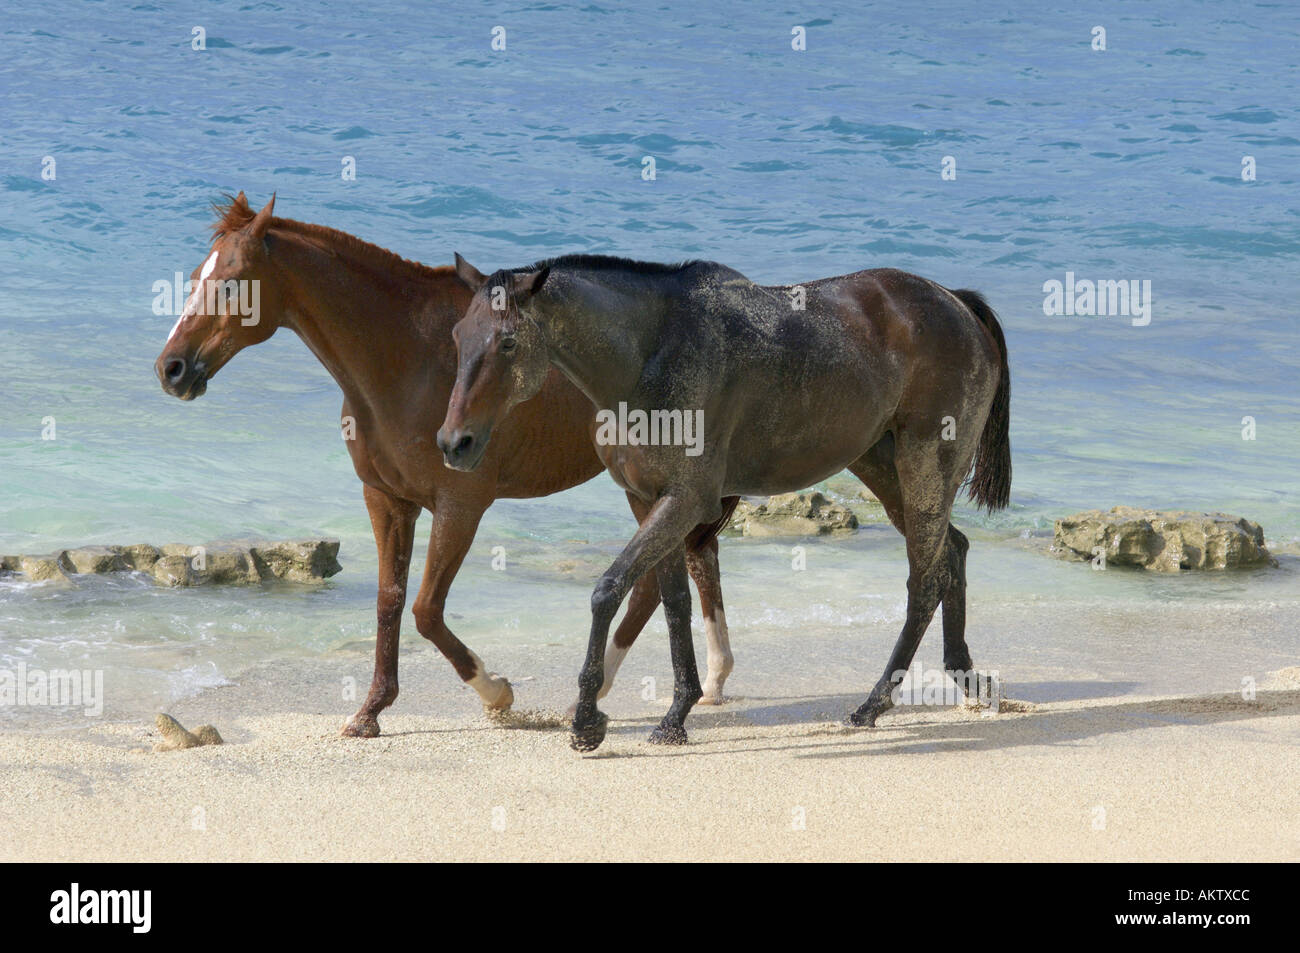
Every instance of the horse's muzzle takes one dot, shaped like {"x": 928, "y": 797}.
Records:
{"x": 461, "y": 450}
{"x": 182, "y": 378}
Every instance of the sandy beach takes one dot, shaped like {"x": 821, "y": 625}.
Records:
{"x": 1210, "y": 777}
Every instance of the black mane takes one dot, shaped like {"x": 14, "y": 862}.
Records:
{"x": 505, "y": 277}
{"x": 610, "y": 263}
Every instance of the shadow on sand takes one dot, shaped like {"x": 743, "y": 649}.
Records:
{"x": 969, "y": 731}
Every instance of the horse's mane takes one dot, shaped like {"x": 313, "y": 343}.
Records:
{"x": 234, "y": 215}
{"x": 504, "y": 277}
{"x": 611, "y": 263}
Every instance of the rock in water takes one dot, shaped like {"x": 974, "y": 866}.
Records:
{"x": 175, "y": 737}
{"x": 223, "y": 565}
{"x": 230, "y": 566}
{"x": 180, "y": 564}
{"x": 96, "y": 559}
{"x": 140, "y": 556}
{"x": 43, "y": 568}
{"x": 806, "y": 513}
{"x": 298, "y": 561}
{"x": 1162, "y": 541}
{"x": 173, "y": 570}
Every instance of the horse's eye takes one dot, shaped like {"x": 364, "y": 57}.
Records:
{"x": 507, "y": 345}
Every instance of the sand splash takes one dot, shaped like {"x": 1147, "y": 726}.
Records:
{"x": 527, "y": 719}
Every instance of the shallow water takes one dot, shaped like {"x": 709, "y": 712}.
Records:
{"x": 1121, "y": 164}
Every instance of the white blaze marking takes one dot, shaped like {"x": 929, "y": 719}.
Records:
{"x": 192, "y": 305}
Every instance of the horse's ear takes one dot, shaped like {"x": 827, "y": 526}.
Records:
{"x": 532, "y": 282}
{"x": 467, "y": 273}
{"x": 262, "y": 220}
{"x": 241, "y": 200}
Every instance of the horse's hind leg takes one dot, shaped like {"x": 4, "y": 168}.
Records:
{"x": 876, "y": 469}
{"x": 641, "y": 605}
{"x": 675, "y": 592}
{"x": 393, "y": 522}
{"x": 956, "y": 654}
{"x": 454, "y": 525}
{"x": 702, "y": 561}
{"x": 919, "y": 503}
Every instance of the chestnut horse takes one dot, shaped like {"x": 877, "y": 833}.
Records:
{"x": 381, "y": 325}
{"x": 887, "y": 374}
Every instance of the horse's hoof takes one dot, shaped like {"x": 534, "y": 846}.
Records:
{"x": 668, "y": 735}
{"x": 589, "y": 737}
{"x": 865, "y": 717}
{"x": 361, "y": 726}
{"x": 503, "y": 698}
{"x": 711, "y": 700}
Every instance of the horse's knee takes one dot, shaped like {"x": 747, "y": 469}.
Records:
{"x": 427, "y": 618}
{"x": 389, "y": 603}
{"x": 605, "y": 599}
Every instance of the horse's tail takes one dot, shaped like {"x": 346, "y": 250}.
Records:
{"x": 990, "y": 483}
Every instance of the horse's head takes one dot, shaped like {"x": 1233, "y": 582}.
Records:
{"x": 502, "y": 360}
{"x": 232, "y": 303}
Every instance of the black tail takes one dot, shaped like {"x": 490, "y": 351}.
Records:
{"x": 990, "y": 484}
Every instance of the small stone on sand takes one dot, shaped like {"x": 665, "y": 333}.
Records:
{"x": 175, "y": 737}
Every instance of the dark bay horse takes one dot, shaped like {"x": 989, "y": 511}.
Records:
{"x": 887, "y": 374}
{"x": 381, "y": 325}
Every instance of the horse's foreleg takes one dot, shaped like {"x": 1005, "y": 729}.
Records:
{"x": 393, "y": 522}
{"x": 675, "y": 591}
{"x": 641, "y": 605}
{"x": 663, "y": 530}
{"x": 454, "y": 525}
{"x": 702, "y": 562}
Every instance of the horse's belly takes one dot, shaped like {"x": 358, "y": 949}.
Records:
{"x": 785, "y": 475}
{"x": 782, "y": 449}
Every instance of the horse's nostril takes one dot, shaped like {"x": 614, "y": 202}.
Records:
{"x": 174, "y": 369}
{"x": 464, "y": 443}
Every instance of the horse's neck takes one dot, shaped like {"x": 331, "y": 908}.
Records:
{"x": 363, "y": 327}
{"x": 601, "y": 338}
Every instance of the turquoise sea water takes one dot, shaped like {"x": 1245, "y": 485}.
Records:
{"x": 1116, "y": 164}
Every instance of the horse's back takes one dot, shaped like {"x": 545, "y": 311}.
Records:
{"x": 835, "y": 360}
